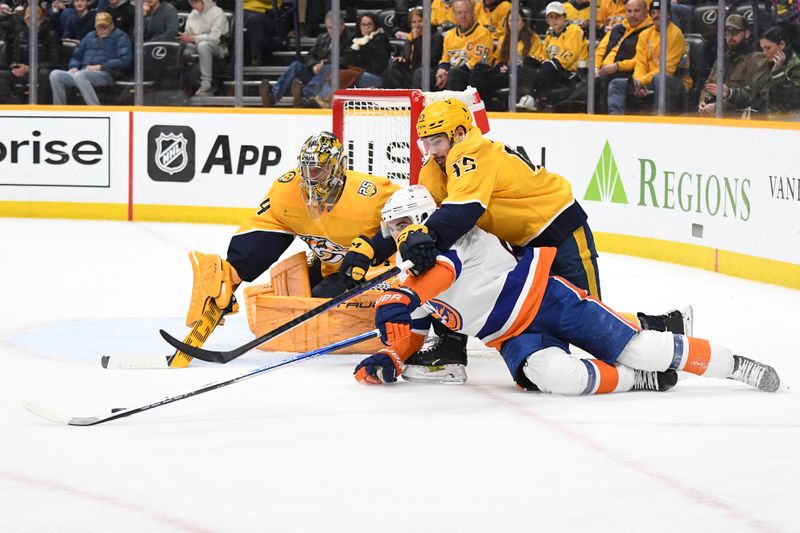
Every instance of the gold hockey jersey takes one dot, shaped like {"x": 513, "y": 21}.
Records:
{"x": 470, "y": 47}
{"x": 283, "y": 212}
{"x": 524, "y": 204}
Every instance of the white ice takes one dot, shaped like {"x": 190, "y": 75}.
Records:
{"x": 306, "y": 448}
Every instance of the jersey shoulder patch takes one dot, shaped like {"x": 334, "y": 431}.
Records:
{"x": 367, "y": 189}
{"x": 289, "y": 176}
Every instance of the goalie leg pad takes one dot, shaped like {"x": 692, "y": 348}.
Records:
{"x": 214, "y": 278}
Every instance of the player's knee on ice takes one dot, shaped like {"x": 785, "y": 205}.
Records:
{"x": 554, "y": 370}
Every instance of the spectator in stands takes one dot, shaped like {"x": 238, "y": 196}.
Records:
{"x": 645, "y": 80}
{"x": 306, "y": 77}
{"x": 493, "y": 14}
{"x": 362, "y": 64}
{"x": 102, "y": 56}
{"x": 741, "y": 66}
{"x": 405, "y": 70}
{"x": 79, "y": 22}
{"x": 775, "y": 86}
{"x": 488, "y": 79}
{"x": 160, "y": 21}
{"x": 369, "y": 51}
{"x": 465, "y": 46}
{"x": 124, "y": 15}
{"x": 205, "y": 27}
{"x": 260, "y": 28}
{"x": 577, "y": 13}
{"x": 442, "y": 15}
{"x": 14, "y": 82}
{"x": 613, "y": 58}
{"x": 611, "y": 13}
{"x": 565, "y": 49}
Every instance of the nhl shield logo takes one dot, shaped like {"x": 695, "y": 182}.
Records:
{"x": 170, "y": 153}
{"x": 171, "y": 156}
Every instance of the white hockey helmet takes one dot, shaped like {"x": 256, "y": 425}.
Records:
{"x": 414, "y": 203}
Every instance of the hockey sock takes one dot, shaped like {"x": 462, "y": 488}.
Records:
{"x": 701, "y": 357}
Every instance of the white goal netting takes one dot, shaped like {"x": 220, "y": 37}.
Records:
{"x": 376, "y": 127}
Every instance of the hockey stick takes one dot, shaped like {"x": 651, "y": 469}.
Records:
{"x": 226, "y": 356}
{"x": 210, "y": 318}
{"x": 52, "y": 416}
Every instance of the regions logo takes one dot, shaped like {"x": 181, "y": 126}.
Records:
{"x": 170, "y": 153}
{"x": 449, "y": 316}
{"x": 606, "y": 183}
{"x": 367, "y": 189}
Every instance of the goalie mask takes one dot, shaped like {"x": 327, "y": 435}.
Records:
{"x": 411, "y": 205}
{"x": 322, "y": 166}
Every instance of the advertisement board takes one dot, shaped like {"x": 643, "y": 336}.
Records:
{"x": 64, "y": 157}
{"x": 732, "y": 188}
{"x": 215, "y": 160}
{"x": 655, "y": 185}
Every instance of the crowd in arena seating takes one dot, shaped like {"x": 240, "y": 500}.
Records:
{"x": 85, "y": 51}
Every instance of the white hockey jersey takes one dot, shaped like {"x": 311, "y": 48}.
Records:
{"x": 481, "y": 289}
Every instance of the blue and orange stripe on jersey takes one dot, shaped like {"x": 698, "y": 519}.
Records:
{"x": 520, "y": 298}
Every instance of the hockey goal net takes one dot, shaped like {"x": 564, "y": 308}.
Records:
{"x": 377, "y": 127}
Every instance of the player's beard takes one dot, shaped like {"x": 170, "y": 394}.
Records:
{"x": 441, "y": 161}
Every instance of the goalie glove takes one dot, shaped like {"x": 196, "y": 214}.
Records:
{"x": 416, "y": 244}
{"x": 393, "y": 314}
{"x": 356, "y": 262}
{"x": 383, "y": 367}
{"x": 213, "y": 278}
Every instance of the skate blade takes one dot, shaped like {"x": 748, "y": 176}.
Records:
{"x": 446, "y": 374}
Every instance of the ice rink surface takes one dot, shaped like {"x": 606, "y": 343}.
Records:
{"x": 306, "y": 448}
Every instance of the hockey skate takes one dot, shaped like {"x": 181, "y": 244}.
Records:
{"x": 758, "y": 375}
{"x": 652, "y": 380}
{"x": 443, "y": 361}
{"x": 681, "y": 322}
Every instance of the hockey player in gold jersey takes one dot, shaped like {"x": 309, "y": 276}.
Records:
{"x": 321, "y": 202}
{"x": 477, "y": 181}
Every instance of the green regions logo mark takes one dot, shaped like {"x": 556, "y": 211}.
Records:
{"x": 606, "y": 183}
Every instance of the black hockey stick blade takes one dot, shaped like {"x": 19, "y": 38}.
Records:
{"x": 58, "y": 418}
{"x": 223, "y": 357}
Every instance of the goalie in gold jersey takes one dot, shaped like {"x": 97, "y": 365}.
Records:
{"x": 477, "y": 181}
{"x": 321, "y": 202}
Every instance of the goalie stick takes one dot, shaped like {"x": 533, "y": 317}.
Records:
{"x": 223, "y": 357}
{"x": 53, "y": 416}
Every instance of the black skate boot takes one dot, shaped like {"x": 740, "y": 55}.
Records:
{"x": 680, "y": 322}
{"x": 652, "y": 380}
{"x": 758, "y": 375}
{"x": 443, "y": 361}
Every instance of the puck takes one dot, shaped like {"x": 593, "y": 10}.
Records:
{"x": 104, "y": 361}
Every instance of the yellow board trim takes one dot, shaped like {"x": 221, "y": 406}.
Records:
{"x": 190, "y": 213}
{"x": 83, "y": 211}
{"x": 725, "y": 262}
{"x": 722, "y": 261}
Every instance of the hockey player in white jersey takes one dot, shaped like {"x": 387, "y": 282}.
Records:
{"x": 478, "y": 287}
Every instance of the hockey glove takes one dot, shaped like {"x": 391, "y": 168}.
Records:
{"x": 213, "y": 278}
{"x": 383, "y": 367}
{"x": 356, "y": 262}
{"x": 415, "y": 243}
{"x": 393, "y": 314}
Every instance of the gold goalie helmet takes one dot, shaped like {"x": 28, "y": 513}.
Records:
{"x": 322, "y": 166}
{"x": 444, "y": 116}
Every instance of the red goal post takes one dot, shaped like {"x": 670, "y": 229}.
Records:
{"x": 377, "y": 127}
